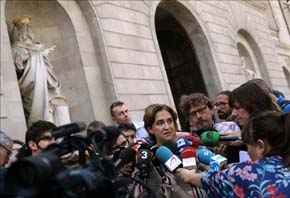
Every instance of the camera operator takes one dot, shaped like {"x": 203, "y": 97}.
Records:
{"x": 37, "y": 138}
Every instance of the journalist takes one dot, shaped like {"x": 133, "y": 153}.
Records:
{"x": 267, "y": 174}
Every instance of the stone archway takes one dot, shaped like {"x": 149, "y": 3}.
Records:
{"x": 186, "y": 53}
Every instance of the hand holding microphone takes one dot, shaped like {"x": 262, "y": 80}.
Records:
{"x": 189, "y": 176}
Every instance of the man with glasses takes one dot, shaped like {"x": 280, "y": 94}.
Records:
{"x": 223, "y": 108}
{"x": 199, "y": 111}
{"x": 39, "y": 136}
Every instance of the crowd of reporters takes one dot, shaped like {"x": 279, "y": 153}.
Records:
{"x": 154, "y": 158}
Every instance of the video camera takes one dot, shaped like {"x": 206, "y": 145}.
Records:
{"x": 47, "y": 175}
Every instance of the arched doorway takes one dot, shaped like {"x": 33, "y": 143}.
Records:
{"x": 179, "y": 52}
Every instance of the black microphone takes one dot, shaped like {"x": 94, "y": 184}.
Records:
{"x": 172, "y": 146}
{"x": 68, "y": 129}
{"x": 105, "y": 133}
{"x": 127, "y": 155}
{"x": 143, "y": 160}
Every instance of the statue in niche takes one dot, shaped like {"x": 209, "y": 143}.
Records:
{"x": 250, "y": 74}
{"x": 39, "y": 87}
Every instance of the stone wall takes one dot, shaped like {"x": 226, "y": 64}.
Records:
{"x": 117, "y": 55}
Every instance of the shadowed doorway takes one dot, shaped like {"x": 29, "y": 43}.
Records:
{"x": 180, "y": 60}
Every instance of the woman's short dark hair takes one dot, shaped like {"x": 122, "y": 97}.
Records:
{"x": 272, "y": 127}
{"x": 150, "y": 114}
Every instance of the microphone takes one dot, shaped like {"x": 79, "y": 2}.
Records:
{"x": 171, "y": 161}
{"x": 127, "y": 155}
{"x": 143, "y": 159}
{"x": 212, "y": 138}
{"x": 188, "y": 156}
{"x": 187, "y": 151}
{"x": 68, "y": 129}
{"x": 182, "y": 143}
{"x": 105, "y": 133}
{"x": 139, "y": 144}
{"x": 172, "y": 146}
{"x": 215, "y": 162}
{"x": 187, "y": 140}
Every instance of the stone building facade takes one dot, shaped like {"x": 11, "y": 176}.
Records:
{"x": 144, "y": 52}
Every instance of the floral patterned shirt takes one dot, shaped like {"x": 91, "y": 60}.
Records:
{"x": 265, "y": 178}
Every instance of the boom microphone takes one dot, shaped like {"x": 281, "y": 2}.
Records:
{"x": 212, "y": 138}
{"x": 171, "y": 161}
{"x": 68, "y": 129}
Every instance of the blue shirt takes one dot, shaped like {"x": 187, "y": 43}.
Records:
{"x": 284, "y": 104}
{"x": 262, "y": 178}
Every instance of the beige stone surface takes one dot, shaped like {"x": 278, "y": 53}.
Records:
{"x": 108, "y": 50}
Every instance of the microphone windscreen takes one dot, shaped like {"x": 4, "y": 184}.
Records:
{"x": 163, "y": 154}
{"x": 210, "y": 138}
{"x": 188, "y": 156}
{"x": 112, "y": 132}
{"x": 172, "y": 146}
{"x": 188, "y": 152}
{"x": 68, "y": 129}
{"x": 143, "y": 158}
{"x": 204, "y": 156}
{"x": 182, "y": 142}
{"x": 127, "y": 155}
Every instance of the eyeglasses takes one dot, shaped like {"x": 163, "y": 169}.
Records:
{"x": 8, "y": 151}
{"x": 130, "y": 136}
{"x": 202, "y": 110}
{"x": 45, "y": 138}
{"x": 220, "y": 104}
